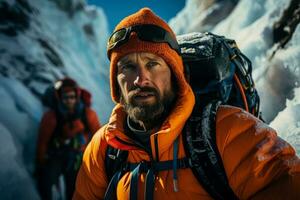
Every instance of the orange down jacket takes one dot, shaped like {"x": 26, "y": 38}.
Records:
{"x": 258, "y": 164}
{"x": 48, "y": 125}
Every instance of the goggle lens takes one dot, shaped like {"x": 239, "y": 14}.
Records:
{"x": 146, "y": 32}
{"x": 116, "y": 37}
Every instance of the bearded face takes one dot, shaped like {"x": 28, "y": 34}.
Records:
{"x": 146, "y": 88}
{"x": 148, "y": 112}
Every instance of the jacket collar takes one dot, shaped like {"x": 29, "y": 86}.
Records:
{"x": 166, "y": 135}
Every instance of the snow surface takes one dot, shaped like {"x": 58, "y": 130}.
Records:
{"x": 287, "y": 122}
{"x": 201, "y": 15}
{"x": 15, "y": 182}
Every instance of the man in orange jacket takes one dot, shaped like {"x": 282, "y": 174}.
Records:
{"x": 154, "y": 102}
{"x": 64, "y": 133}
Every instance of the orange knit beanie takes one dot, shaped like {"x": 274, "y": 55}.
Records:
{"x": 171, "y": 57}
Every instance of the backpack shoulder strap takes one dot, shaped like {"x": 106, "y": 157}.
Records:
{"x": 200, "y": 146}
{"x": 116, "y": 165}
{"x": 115, "y": 159}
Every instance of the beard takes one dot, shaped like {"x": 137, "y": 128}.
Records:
{"x": 151, "y": 114}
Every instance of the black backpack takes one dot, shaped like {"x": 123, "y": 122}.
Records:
{"x": 219, "y": 74}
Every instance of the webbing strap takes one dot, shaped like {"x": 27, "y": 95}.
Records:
{"x": 158, "y": 166}
{"x": 175, "y": 156}
{"x": 110, "y": 191}
{"x": 144, "y": 167}
{"x": 134, "y": 182}
{"x": 149, "y": 185}
{"x": 150, "y": 177}
{"x": 150, "y": 168}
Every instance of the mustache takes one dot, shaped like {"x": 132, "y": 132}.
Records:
{"x": 135, "y": 90}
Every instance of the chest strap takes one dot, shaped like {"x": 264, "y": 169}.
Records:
{"x": 151, "y": 168}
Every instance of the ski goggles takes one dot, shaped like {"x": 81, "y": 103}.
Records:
{"x": 145, "y": 32}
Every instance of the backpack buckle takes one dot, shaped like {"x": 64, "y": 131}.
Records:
{"x": 111, "y": 156}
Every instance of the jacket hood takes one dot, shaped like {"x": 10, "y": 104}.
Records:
{"x": 167, "y": 133}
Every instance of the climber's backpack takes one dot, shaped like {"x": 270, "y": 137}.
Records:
{"x": 219, "y": 74}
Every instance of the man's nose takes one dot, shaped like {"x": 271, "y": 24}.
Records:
{"x": 143, "y": 78}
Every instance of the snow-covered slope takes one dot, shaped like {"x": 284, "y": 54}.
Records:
{"x": 40, "y": 42}
{"x": 268, "y": 32}
{"x": 287, "y": 122}
{"x": 201, "y": 15}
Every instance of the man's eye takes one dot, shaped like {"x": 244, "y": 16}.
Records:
{"x": 127, "y": 67}
{"x": 152, "y": 64}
